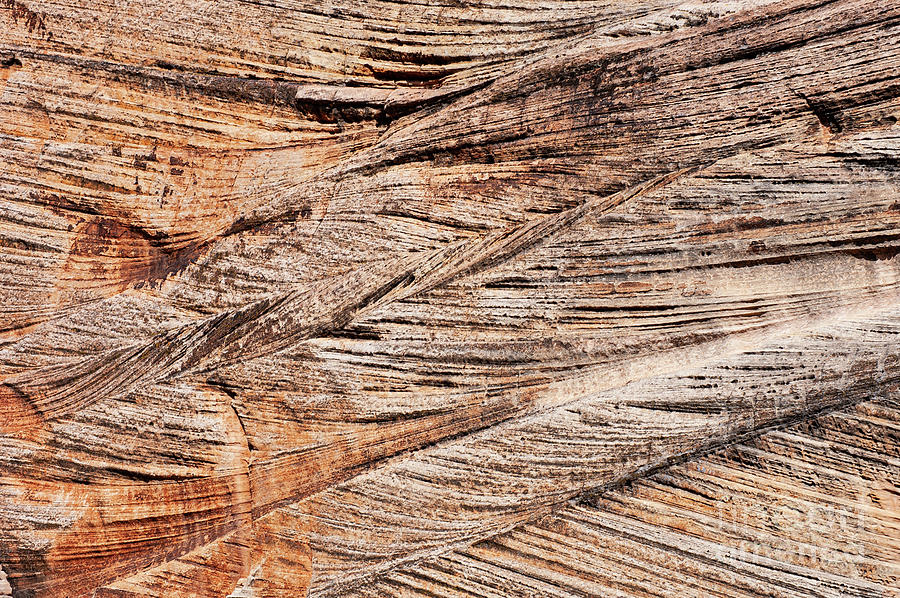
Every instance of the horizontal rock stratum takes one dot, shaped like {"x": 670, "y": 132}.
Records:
{"x": 449, "y": 299}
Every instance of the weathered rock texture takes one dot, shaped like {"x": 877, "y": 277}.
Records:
{"x": 810, "y": 510}
{"x": 449, "y": 299}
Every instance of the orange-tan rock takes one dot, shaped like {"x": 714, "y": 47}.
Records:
{"x": 382, "y": 298}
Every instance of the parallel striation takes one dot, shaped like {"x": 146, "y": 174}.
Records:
{"x": 297, "y": 295}
{"x": 807, "y": 510}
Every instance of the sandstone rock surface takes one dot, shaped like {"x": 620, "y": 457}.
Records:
{"x": 457, "y": 298}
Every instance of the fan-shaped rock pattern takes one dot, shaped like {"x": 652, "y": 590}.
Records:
{"x": 384, "y": 298}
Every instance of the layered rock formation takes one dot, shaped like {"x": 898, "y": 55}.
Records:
{"x": 385, "y": 298}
